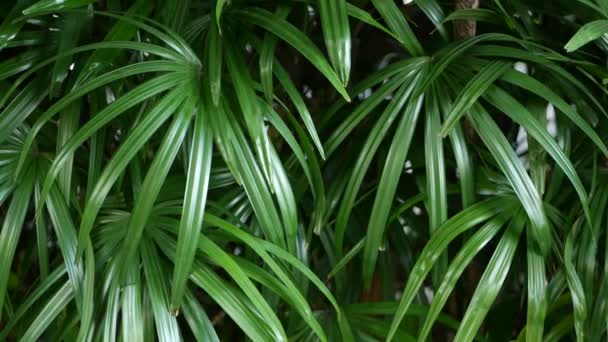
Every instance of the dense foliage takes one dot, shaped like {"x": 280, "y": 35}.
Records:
{"x": 333, "y": 170}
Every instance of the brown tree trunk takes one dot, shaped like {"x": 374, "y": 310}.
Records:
{"x": 465, "y": 29}
{"x": 468, "y": 28}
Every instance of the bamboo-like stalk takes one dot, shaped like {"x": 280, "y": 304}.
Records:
{"x": 468, "y": 28}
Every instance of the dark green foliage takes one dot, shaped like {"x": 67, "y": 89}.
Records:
{"x": 332, "y": 170}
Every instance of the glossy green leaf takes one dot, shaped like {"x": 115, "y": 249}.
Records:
{"x": 340, "y": 134}
{"x": 508, "y": 105}
{"x": 199, "y": 168}
{"x": 436, "y": 183}
{"x": 46, "y": 6}
{"x": 22, "y": 106}
{"x": 66, "y": 239}
{"x": 298, "y": 40}
{"x": 262, "y": 247}
{"x": 41, "y": 290}
{"x": 463, "y": 259}
{"x": 166, "y": 324}
{"x": 49, "y": 313}
{"x": 141, "y": 93}
{"x": 376, "y": 136}
{"x": 68, "y": 124}
{"x": 477, "y": 14}
{"x": 12, "y": 22}
{"x": 589, "y": 32}
{"x": 358, "y": 247}
{"x": 155, "y": 178}
{"x": 197, "y": 319}
{"x": 537, "y": 293}
{"x": 286, "y": 201}
{"x": 68, "y": 36}
{"x": 398, "y": 25}
{"x": 476, "y": 87}
{"x": 388, "y": 185}
{"x": 219, "y": 7}
{"x": 121, "y": 31}
{"x": 15, "y": 65}
{"x": 367, "y": 18}
{"x": 88, "y": 293}
{"x": 298, "y": 102}
{"x": 131, "y": 304}
{"x": 152, "y": 87}
{"x": 242, "y": 83}
{"x": 259, "y": 303}
{"x": 214, "y": 62}
{"x": 491, "y": 281}
{"x": 520, "y": 181}
{"x": 235, "y": 306}
{"x": 157, "y": 116}
{"x": 434, "y": 12}
{"x": 527, "y": 82}
{"x": 462, "y": 153}
{"x": 466, "y": 219}
{"x": 12, "y": 227}
{"x": 336, "y": 30}
{"x": 574, "y": 283}
{"x": 267, "y": 57}
{"x": 111, "y": 313}
{"x": 306, "y": 157}
{"x": 255, "y": 186}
